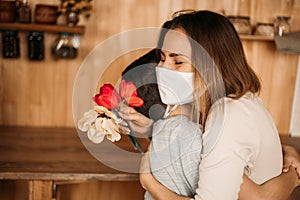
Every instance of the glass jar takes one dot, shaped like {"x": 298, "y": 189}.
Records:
{"x": 72, "y": 18}
{"x": 24, "y": 12}
{"x": 266, "y": 29}
{"x": 36, "y": 45}
{"x": 241, "y": 24}
{"x": 10, "y": 44}
{"x": 66, "y": 46}
{"x": 282, "y": 25}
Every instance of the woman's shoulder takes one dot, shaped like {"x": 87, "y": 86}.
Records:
{"x": 233, "y": 118}
{"x": 243, "y": 105}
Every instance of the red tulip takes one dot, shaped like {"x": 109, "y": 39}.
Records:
{"x": 129, "y": 93}
{"x": 109, "y": 97}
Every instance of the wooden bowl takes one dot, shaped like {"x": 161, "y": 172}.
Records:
{"x": 7, "y": 11}
{"x": 45, "y": 14}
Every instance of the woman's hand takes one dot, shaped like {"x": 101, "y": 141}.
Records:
{"x": 290, "y": 158}
{"x": 139, "y": 123}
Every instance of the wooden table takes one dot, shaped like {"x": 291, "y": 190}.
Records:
{"x": 44, "y": 156}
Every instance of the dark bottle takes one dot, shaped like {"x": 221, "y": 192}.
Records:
{"x": 36, "y": 45}
{"x": 10, "y": 44}
{"x": 66, "y": 46}
{"x": 24, "y": 12}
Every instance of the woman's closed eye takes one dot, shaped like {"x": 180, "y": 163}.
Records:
{"x": 175, "y": 61}
{"x": 178, "y": 62}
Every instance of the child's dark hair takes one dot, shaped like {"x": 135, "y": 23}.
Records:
{"x": 142, "y": 73}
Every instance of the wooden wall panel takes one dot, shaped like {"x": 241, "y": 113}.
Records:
{"x": 40, "y": 93}
{"x": 278, "y": 75}
{"x": 118, "y": 66}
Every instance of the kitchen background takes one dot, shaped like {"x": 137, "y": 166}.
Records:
{"x": 39, "y": 93}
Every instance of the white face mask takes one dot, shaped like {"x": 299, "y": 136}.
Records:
{"x": 175, "y": 88}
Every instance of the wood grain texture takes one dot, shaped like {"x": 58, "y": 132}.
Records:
{"x": 42, "y": 28}
{"x": 40, "y": 93}
{"x": 59, "y": 154}
{"x": 91, "y": 190}
{"x": 40, "y": 190}
{"x": 277, "y": 72}
{"x": 14, "y": 190}
{"x": 43, "y": 156}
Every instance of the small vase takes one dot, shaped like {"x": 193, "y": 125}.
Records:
{"x": 72, "y": 18}
{"x": 65, "y": 46}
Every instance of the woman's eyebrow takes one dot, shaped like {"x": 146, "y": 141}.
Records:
{"x": 178, "y": 55}
{"x": 174, "y": 54}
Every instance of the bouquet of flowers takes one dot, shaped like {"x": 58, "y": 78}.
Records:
{"x": 103, "y": 119}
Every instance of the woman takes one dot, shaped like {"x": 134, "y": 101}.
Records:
{"x": 247, "y": 142}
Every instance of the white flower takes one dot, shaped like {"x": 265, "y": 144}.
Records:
{"x": 95, "y": 135}
{"x": 103, "y": 110}
{"x": 113, "y": 134}
{"x": 87, "y": 120}
{"x": 100, "y": 122}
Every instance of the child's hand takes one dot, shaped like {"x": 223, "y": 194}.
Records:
{"x": 139, "y": 123}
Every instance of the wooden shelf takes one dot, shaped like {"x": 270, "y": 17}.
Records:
{"x": 42, "y": 28}
{"x": 257, "y": 37}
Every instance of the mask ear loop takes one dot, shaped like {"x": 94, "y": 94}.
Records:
{"x": 169, "y": 110}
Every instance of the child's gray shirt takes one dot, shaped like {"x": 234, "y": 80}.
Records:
{"x": 175, "y": 152}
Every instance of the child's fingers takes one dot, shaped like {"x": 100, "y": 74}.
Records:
{"x": 124, "y": 130}
{"x": 123, "y": 123}
{"x": 127, "y": 109}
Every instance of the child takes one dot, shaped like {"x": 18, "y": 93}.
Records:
{"x": 176, "y": 141}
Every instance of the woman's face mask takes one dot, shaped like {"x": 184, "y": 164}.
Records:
{"x": 175, "y": 73}
{"x": 175, "y": 88}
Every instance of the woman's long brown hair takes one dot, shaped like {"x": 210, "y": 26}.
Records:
{"x": 212, "y": 35}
